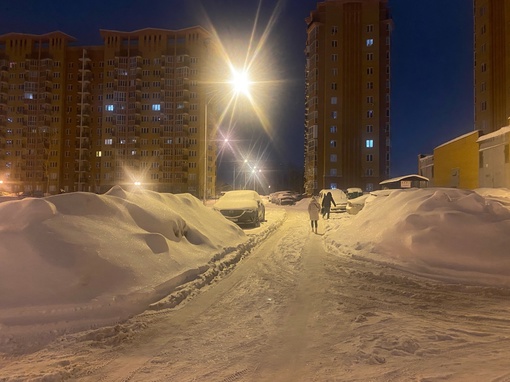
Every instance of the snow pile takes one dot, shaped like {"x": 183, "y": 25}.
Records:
{"x": 110, "y": 254}
{"x": 449, "y": 234}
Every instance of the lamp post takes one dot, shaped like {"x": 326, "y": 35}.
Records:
{"x": 205, "y": 151}
{"x": 240, "y": 84}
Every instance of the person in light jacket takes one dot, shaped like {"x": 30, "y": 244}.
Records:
{"x": 314, "y": 209}
{"x": 326, "y": 204}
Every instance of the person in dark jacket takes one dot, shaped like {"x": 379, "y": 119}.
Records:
{"x": 326, "y": 204}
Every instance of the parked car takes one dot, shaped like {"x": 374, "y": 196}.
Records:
{"x": 356, "y": 205}
{"x": 353, "y": 192}
{"x": 242, "y": 207}
{"x": 339, "y": 197}
{"x": 286, "y": 198}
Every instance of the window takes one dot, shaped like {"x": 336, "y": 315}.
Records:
{"x": 370, "y": 56}
{"x": 332, "y": 143}
{"x": 108, "y": 141}
{"x": 109, "y": 107}
{"x": 156, "y": 107}
{"x": 370, "y": 41}
{"x": 370, "y": 70}
{"x": 370, "y": 158}
{"x": 334, "y": 114}
{"x": 334, "y": 57}
{"x": 332, "y": 172}
{"x": 370, "y": 113}
{"x": 370, "y": 128}
{"x": 334, "y": 86}
{"x": 333, "y": 129}
{"x": 369, "y": 143}
{"x": 370, "y": 85}
{"x": 334, "y": 43}
{"x": 370, "y": 28}
{"x": 332, "y": 158}
{"x": 334, "y": 30}
{"x": 333, "y": 100}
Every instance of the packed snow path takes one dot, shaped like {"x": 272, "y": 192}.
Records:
{"x": 292, "y": 312}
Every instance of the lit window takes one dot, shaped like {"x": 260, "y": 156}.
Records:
{"x": 370, "y": 41}
{"x": 333, "y": 100}
{"x": 108, "y": 141}
{"x": 332, "y": 129}
{"x": 109, "y": 107}
{"x": 156, "y": 107}
{"x": 369, "y": 143}
{"x": 332, "y": 143}
{"x": 334, "y": 114}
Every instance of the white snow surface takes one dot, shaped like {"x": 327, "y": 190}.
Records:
{"x": 449, "y": 234}
{"x": 78, "y": 261}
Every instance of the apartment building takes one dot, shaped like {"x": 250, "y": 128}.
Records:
{"x": 347, "y": 117}
{"x": 492, "y": 64}
{"x": 86, "y": 118}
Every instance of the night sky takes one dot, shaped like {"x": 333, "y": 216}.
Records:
{"x": 432, "y": 60}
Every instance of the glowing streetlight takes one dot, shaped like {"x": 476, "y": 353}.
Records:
{"x": 240, "y": 82}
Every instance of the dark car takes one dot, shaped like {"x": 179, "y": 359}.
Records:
{"x": 244, "y": 207}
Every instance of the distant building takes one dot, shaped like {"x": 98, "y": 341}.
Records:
{"x": 77, "y": 118}
{"x": 495, "y": 159}
{"x": 405, "y": 181}
{"x": 426, "y": 167}
{"x": 492, "y": 64}
{"x": 347, "y": 117}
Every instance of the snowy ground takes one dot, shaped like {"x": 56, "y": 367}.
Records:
{"x": 158, "y": 287}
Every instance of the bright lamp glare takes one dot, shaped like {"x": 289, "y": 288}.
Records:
{"x": 240, "y": 82}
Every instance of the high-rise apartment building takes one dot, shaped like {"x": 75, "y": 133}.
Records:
{"x": 75, "y": 118}
{"x": 347, "y": 118}
{"x": 492, "y": 64}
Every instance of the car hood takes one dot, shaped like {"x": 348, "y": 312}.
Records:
{"x": 235, "y": 204}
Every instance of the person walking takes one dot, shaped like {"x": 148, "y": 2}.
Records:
{"x": 313, "y": 210}
{"x": 326, "y": 204}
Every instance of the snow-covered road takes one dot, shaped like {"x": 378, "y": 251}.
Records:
{"x": 290, "y": 311}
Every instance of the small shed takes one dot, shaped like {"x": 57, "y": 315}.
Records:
{"x": 406, "y": 181}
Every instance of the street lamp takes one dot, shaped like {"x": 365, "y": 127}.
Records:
{"x": 240, "y": 83}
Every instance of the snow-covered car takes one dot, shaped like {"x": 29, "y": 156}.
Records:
{"x": 356, "y": 205}
{"x": 286, "y": 198}
{"x": 353, "y": 192}
{"x": 338, "y": 196}
{"x": 242, "y": 207}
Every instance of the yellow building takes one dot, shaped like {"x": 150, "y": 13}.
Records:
{"x": 456, "y": 162}
{"x": 347, "y": 111}
{"x": 87, "y": 118}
